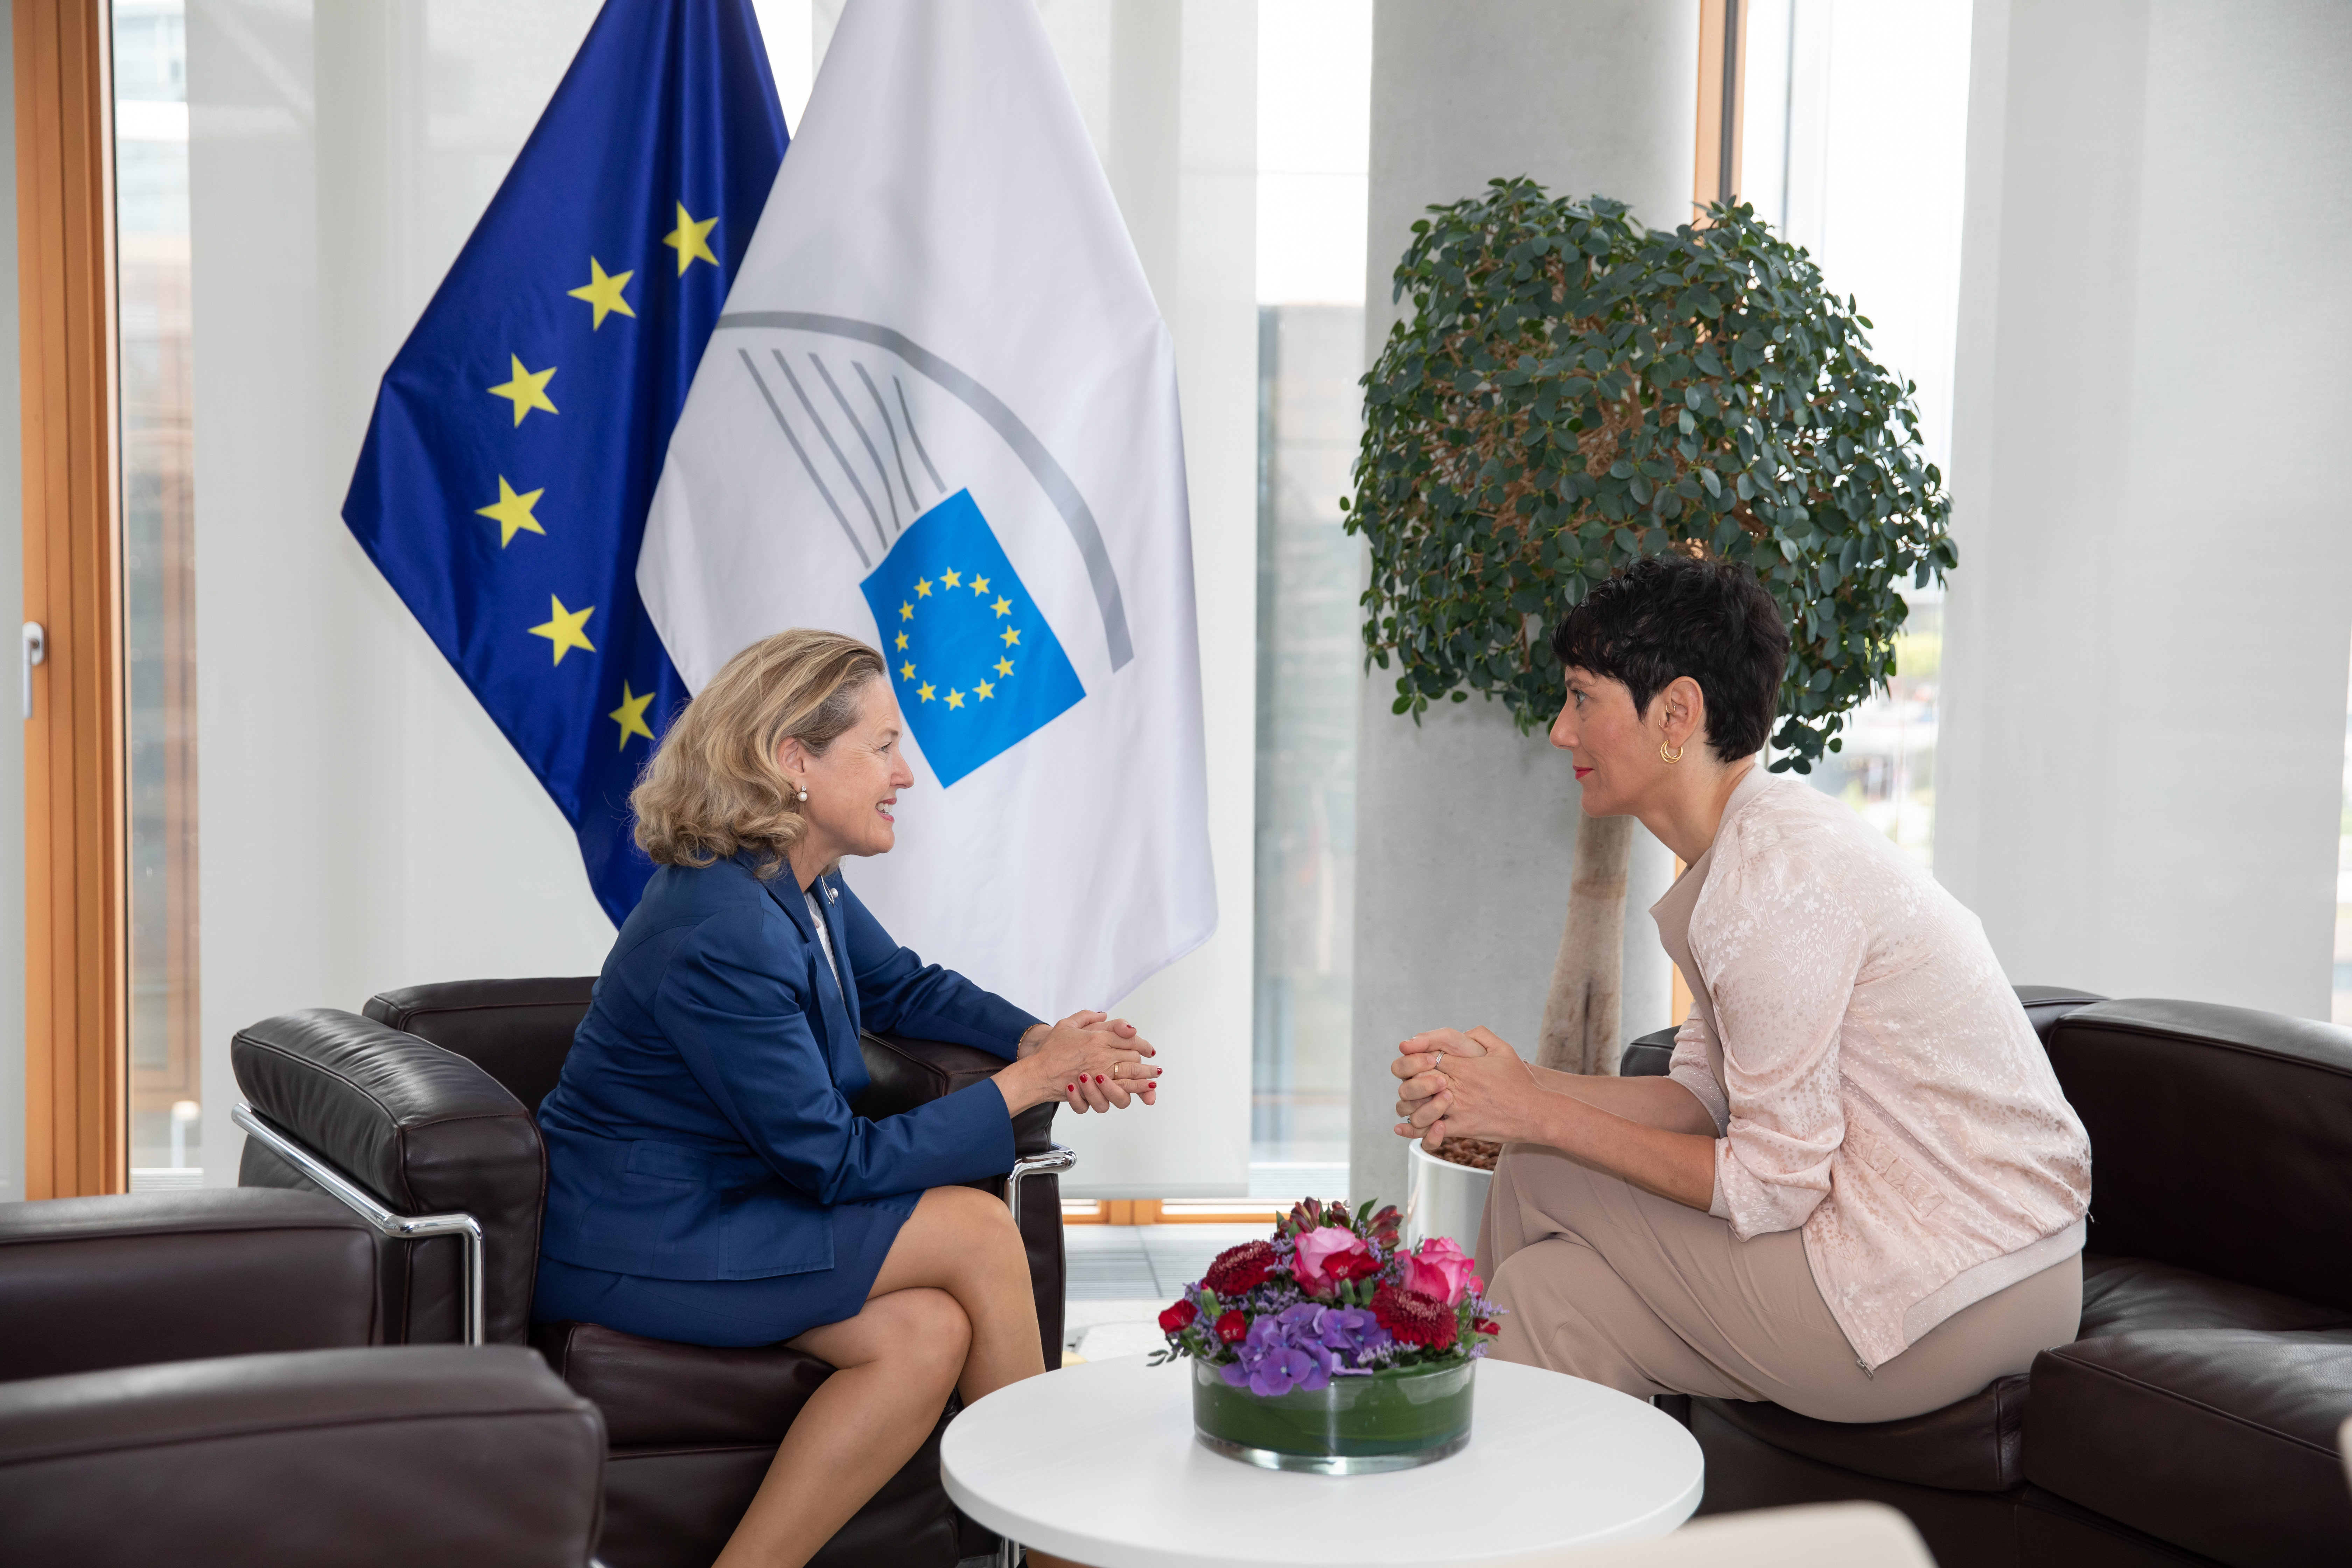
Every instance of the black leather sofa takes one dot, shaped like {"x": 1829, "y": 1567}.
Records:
{"x": 195, "y": 1378}
{"x": 2194, "y": 1419}
{"x": 426, "y": 1105}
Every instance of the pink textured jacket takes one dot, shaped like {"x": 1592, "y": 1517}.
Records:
{"x": 1871, "y": 1074}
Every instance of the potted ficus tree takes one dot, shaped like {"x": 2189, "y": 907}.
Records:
{"x": 1570, "y": 391}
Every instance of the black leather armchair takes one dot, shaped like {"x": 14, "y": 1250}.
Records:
{"x": 424, "y": 1108}
{"x": 194, "y": 1377}
{"x": 2194, "y": 1419}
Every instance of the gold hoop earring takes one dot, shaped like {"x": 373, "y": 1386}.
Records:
{"x": 1666, "y": 756}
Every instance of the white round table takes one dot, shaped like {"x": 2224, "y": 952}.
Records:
{"x": 1096, "y": 1463}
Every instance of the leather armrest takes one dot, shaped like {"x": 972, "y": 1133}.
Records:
{"x": 86, "y": 1283}
{"x": 416, "y": 1454}
{"x": 423, "y": 1129}
{"x": 907, "y": 1073}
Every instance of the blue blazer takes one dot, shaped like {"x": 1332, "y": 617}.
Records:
{"x": 701, "y": 1129}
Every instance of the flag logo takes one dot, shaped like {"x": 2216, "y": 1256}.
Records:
{"x": 976, "y": 665}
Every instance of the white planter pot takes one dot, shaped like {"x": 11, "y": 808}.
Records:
{"x": 1443, "y": 1198}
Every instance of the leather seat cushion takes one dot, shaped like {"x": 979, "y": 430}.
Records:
{"x": 1972, "y": 1445}
{"x": 1975, "y": 1445}
{"x": 2219, "y": 1440}
{"x": 654, "y": 1393}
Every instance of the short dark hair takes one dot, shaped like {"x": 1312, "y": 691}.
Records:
{"x": 1670, "y": 616}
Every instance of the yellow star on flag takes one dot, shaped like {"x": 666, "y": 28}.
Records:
{"x": 923, "y": 589}
{"x": 1003, "y": 668}
{"x": 528, "y": 390}
{"x": 1002, "y": 606}
{"x": 691, "y": 239}
{"x": 955, "y": 698}
{"x": 951, "y": 579}
{"x": 902, "y": 642}
{"x": 630, "y": 715}
{"x": 603, "y": 291}
{"x": 906, "y": 612}
{"x": 979, "y": 586}
{"x": 511, "y": 513}
{"x": 1011, "y": 636}
{"x": 907, "y": 671}
{"x": 985, "y": 691}
{"x": 563, "y": 629}
{"x": 924, "y": 691}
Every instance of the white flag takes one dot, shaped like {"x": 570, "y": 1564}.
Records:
{"x": 940, "y": 414}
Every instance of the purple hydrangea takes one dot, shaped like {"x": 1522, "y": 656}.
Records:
{"x": 1300, "y": 1348}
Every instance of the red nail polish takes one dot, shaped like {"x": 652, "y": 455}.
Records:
{"x": 1069, "y": 1089}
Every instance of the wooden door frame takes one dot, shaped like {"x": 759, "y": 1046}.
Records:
{"x": 76, "y": 976}
{"x": 1722, "y": 100}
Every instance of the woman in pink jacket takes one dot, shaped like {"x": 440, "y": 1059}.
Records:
{"x": 1860, "y": 1194}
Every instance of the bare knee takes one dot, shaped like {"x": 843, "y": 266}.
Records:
{"x": 987, "y": 1237}
{"x": 923, "y": 1330}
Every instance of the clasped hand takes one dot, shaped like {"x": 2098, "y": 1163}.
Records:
{"x": 1091, "y": 1060}
{"x": 1457, "y": 1085}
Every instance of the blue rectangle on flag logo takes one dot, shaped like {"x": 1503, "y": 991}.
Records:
{"x": 976, "y": 667}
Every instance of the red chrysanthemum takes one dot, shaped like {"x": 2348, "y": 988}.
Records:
{"x": 1414, "y": 1319}
{"x": 1179, "y": 1316}
{"x": 1240, "y": 1269}
{"x": 1233, "y": 1327}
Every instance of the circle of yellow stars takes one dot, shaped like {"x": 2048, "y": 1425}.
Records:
{"x": 1009, "y": 637}
{"x": 526, "y": 390}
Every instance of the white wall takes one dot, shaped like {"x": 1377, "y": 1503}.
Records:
{"x": 1466, "y": 828}
{"x": 2138, "y": 781}
{"x": 11, "y": 605}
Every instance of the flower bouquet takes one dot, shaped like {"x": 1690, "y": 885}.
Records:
{"x": 1332, "y": 1348}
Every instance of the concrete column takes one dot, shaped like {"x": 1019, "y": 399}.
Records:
{"x": 2139, "y": 779}
{"x": 1465, "y": 828}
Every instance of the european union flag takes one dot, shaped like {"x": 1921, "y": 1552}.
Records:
{"x": 976, "y": 667}
{"x": 519, "y": 433}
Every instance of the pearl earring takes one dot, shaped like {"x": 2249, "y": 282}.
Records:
{"x": 804, "y": 792}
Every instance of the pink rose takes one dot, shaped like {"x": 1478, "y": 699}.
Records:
{"x": 1442, "y": 1271}
{"x": 1327, "y": 1255}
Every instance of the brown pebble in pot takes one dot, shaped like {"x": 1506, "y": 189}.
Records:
{"x": 1479, "y": 1154}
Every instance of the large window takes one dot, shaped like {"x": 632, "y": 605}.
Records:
{"x": 158, "y": 588}
{"x": 1854, "y": 145}
{"x": 1314, "y": 128}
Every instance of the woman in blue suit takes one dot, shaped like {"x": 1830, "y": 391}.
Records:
{"x": 707, "y": 1179}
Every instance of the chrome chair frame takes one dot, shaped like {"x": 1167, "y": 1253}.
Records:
{"x": 361, "y": 1202}
{"x": 1054, "y": 1160}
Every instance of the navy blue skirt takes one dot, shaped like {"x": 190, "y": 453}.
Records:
{"x": 732, "y": 1312}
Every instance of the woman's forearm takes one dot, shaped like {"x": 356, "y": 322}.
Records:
{"x": 1659, "y": 1103}
{"x": 1674, "y": 1164}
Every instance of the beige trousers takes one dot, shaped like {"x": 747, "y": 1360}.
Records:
{"x": 1610, "y": 1283}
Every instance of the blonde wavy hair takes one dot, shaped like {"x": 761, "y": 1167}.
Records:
{"x": 713, "y": 788}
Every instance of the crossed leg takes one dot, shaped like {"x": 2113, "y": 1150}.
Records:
{"x": 951, "y": 1308}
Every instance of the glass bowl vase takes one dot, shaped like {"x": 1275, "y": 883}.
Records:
{"x": 1353, "y": 1426}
